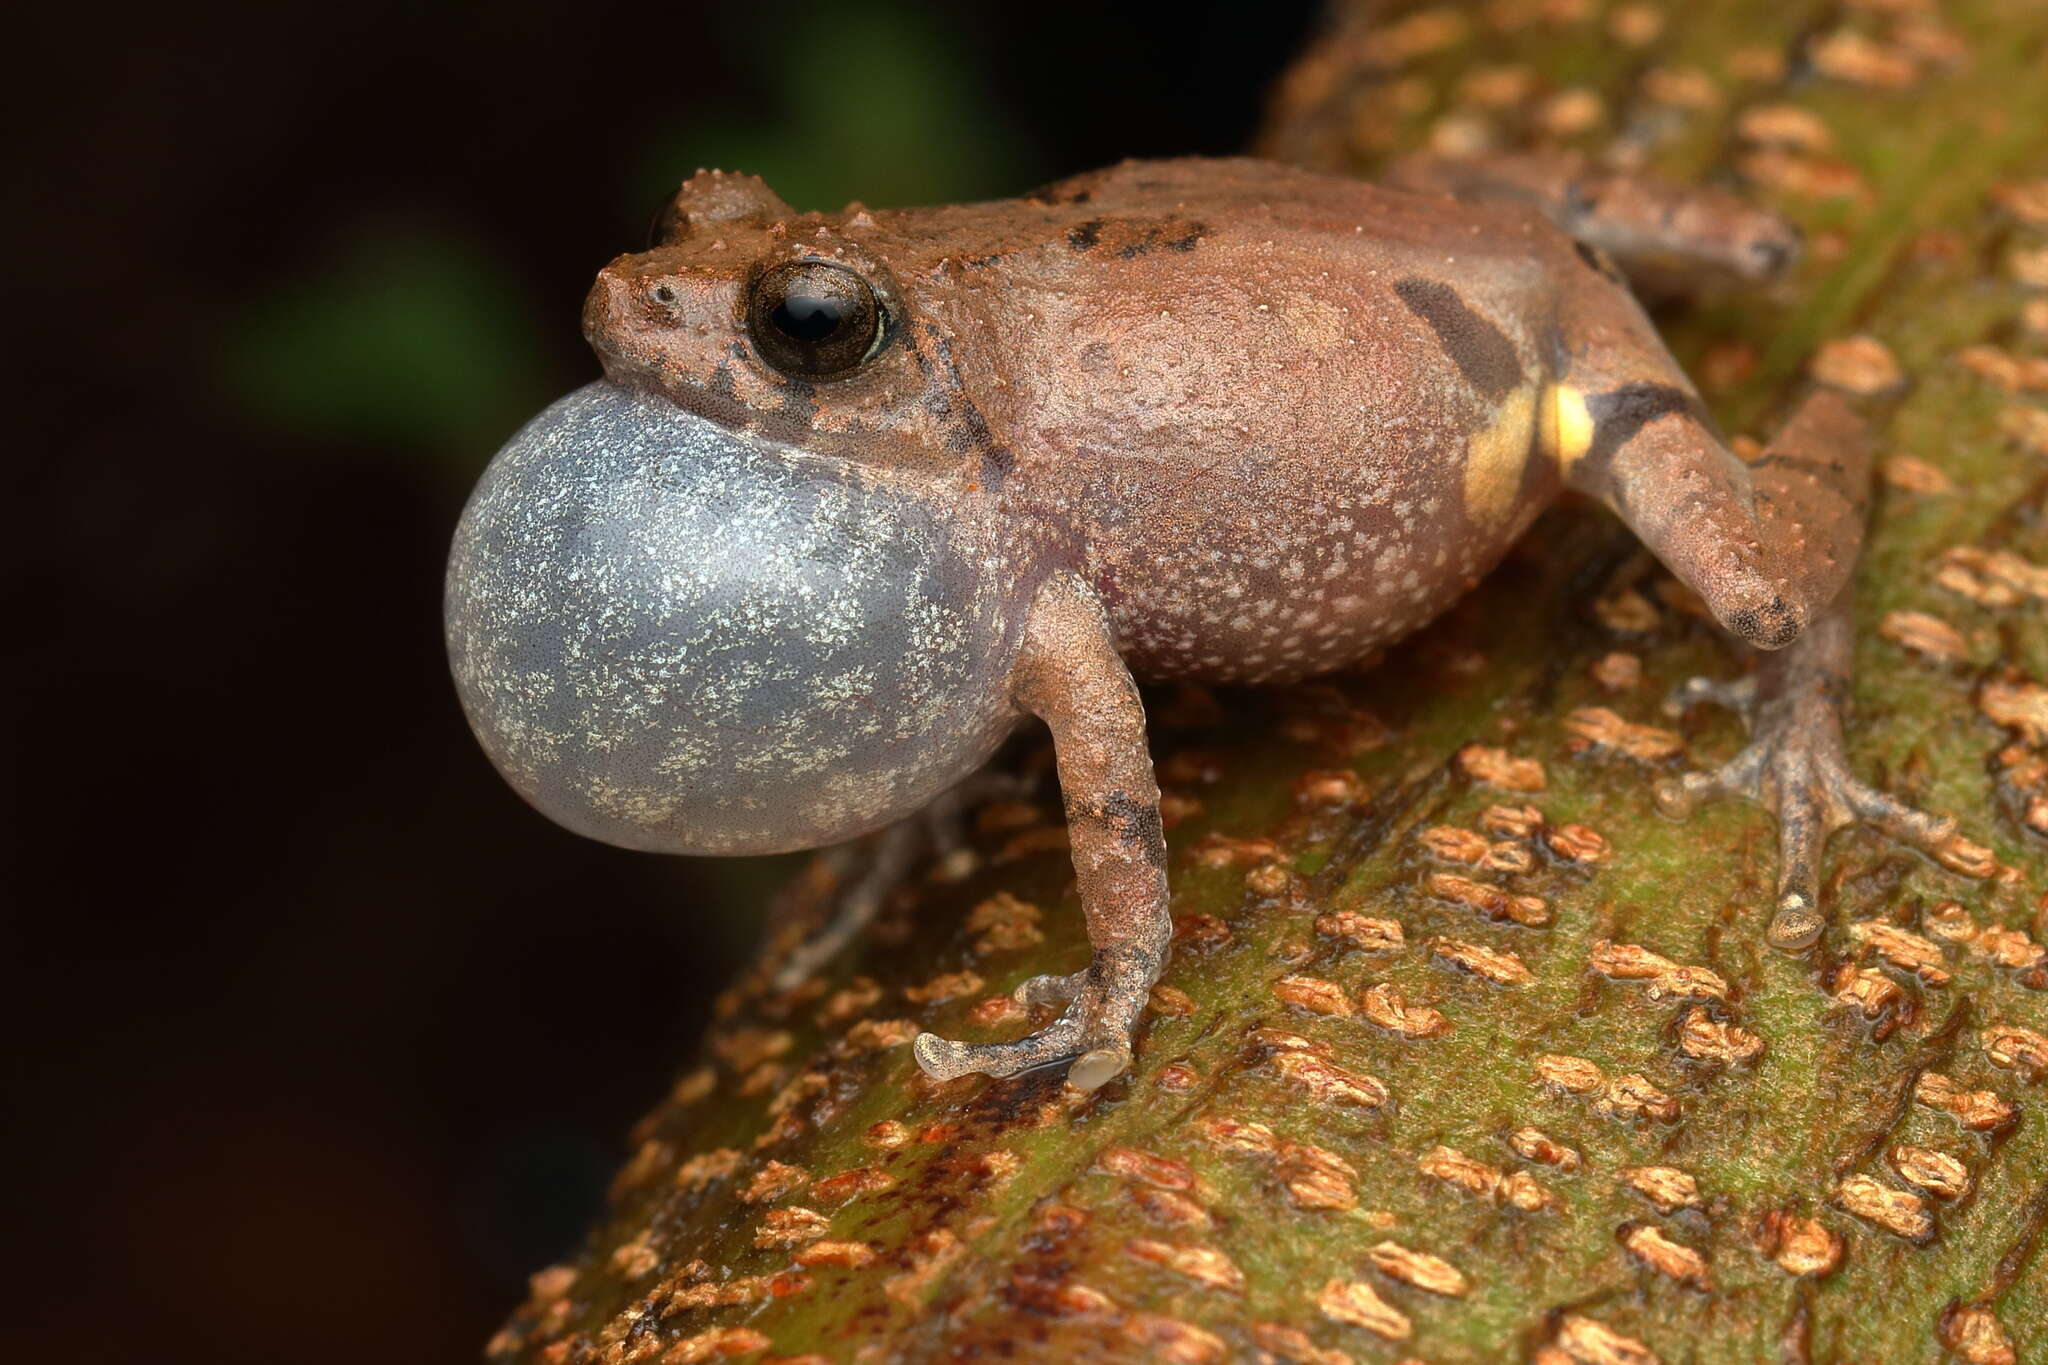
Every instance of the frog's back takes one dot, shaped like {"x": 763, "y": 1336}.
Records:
{"x": 1294, "y": 416}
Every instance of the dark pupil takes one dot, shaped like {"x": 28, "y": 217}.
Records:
{"x": 809, "y": 317}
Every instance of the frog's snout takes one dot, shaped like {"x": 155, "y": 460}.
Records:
{"x": 626, "y": 309}
{"x": 673, "y": 637}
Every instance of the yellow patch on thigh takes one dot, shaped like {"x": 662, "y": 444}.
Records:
{"x": 1495, "y": 456}
{"x": 1567, "y": 426}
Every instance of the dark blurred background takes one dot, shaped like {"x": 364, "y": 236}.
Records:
{"x": 322, "y": 1040}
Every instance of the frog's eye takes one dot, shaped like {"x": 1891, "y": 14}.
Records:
{"x": 815, "y": 320}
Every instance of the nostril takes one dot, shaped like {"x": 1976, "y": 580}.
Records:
{"x": 663, "y": 294}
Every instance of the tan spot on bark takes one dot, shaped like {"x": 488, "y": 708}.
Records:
{"x": 2020, "y": 1049}
{"x": 1169, "y": 1207}
{"x": 1420, "y": 1269}
{"x": 1974, "y": 1333}
{"x": 1498, "y": 768}
{"x": 705, "y": 1167}
{"x": 1977, "y": 1110}
{"x": 1866, "y": 990}
{"x": 1785, "y": 125}
{"x": 1498, "y": 87}
{"x": 2013, "y": 373}
{"x": 1203, "y": 1264}
{"x": 1383, "y": 1005}
{"x": 1171, "y": 1003}
{"x": 1329, "y": 1082}
{"x": 1666, "y": 1187}
{"x": 1916, "y": 476}
{"x": 1599, "y": 728}
{"x": 787, "y": 1227}
{"x": 877, "y": 1035}
{"x": 1236, "y": 1135}
{"x": 1533, "y": 1144}
{"x": 1847, "y": 55}
{"x": 856, "y": 997}
{"x": 1573, "y": 1075}
{"x": 1314, "y": 994}
{"x": 1578, "y": 844}
{"x": 1901, "y": 1214}
{"x": 1924, "y": 634}
{"x": 1173, "y": 1342}
{"x": 1199, "y": 931}
{"x": 1800, "y": 1246}
{"x": 1501, "y": 968}
{"x": 1590, "y": 1342}
{"x": 2026, "y": 426}
{"x": 1707, "y": 1039}
{"x": 1633, "y": 1096}
{"x": 1938, "y": 1173}
{"x": 1141, "y": 1167}
{"x": 1525, "y": 1192}
{"x": 2012, "y": 948}
{"x": 2026, "y": 200}
{"x": 947, "y": 986}
{"x": 1453, "y": 1167}
{"x": 1216, "y": 850}
{"x": 773, "y": 1181}
{"x": 717, "y": 1343}
{"x": 1356, "y": 1304}
{"x": 1821, "y": 179}
{"x": 1453, "y": 844}
{"x": 1003, "y": 924}
{"x": 1617, "y": 671}
{"x": 1859, "y": 364}
{"x": 1626, "y": 612}
{"x": 2018, "y": 704}
{"x": 1490, "y": 902}
{"x": 1635, "y": 25}
{"x": 1667, "y": 1257}
{"x": 1511, "y": 822}
{"x": 1362, "y": 931}
{"x": 852, "y": 1183}
{"x": 1902, "y": 948}
{"x": 1569, "y": 113}
{"x": 1293, "y": 1345}
{"x": 1681, "y": 87}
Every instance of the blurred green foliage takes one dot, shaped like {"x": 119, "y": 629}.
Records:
{"x": 871, "y": 102}
{"x": 413, "y": 334}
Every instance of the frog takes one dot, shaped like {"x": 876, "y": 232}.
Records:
{"x": 863, "y": 492}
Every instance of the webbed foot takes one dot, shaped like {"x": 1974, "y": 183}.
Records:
{"x": 1794, "y": 764}
{"x": 1103, "y": 1004}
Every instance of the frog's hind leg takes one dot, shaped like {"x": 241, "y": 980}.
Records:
{"x": 1658, "y": 231}
{"x": 1794, "y": 764}
{"x": 1769, "y": 546}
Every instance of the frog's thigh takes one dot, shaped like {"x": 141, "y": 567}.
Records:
{"x": 1766, "y": 545}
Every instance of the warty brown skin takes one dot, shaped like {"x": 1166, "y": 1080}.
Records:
{"x": 1238, "y": 422}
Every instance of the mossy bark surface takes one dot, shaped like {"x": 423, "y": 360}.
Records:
{"x": 1466, "y": 1054}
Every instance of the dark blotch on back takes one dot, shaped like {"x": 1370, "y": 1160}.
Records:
{"x": 1620, "y": 413}
{"x": 1481, "y": 350}
{"x": 1085, "y": 235}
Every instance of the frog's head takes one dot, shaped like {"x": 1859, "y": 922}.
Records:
{"x": 790, "y": 325}
{"x": 669, "y": 635}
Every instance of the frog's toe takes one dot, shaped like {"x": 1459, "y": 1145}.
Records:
{"x": 943, "y": 1059}
{"x": 1050, "y": 990}
{"x": 1794, "y": 764}
{"x": 1094, "y": 1031}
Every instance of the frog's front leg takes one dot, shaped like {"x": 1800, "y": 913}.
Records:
{"x": 1070, "y": 675}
